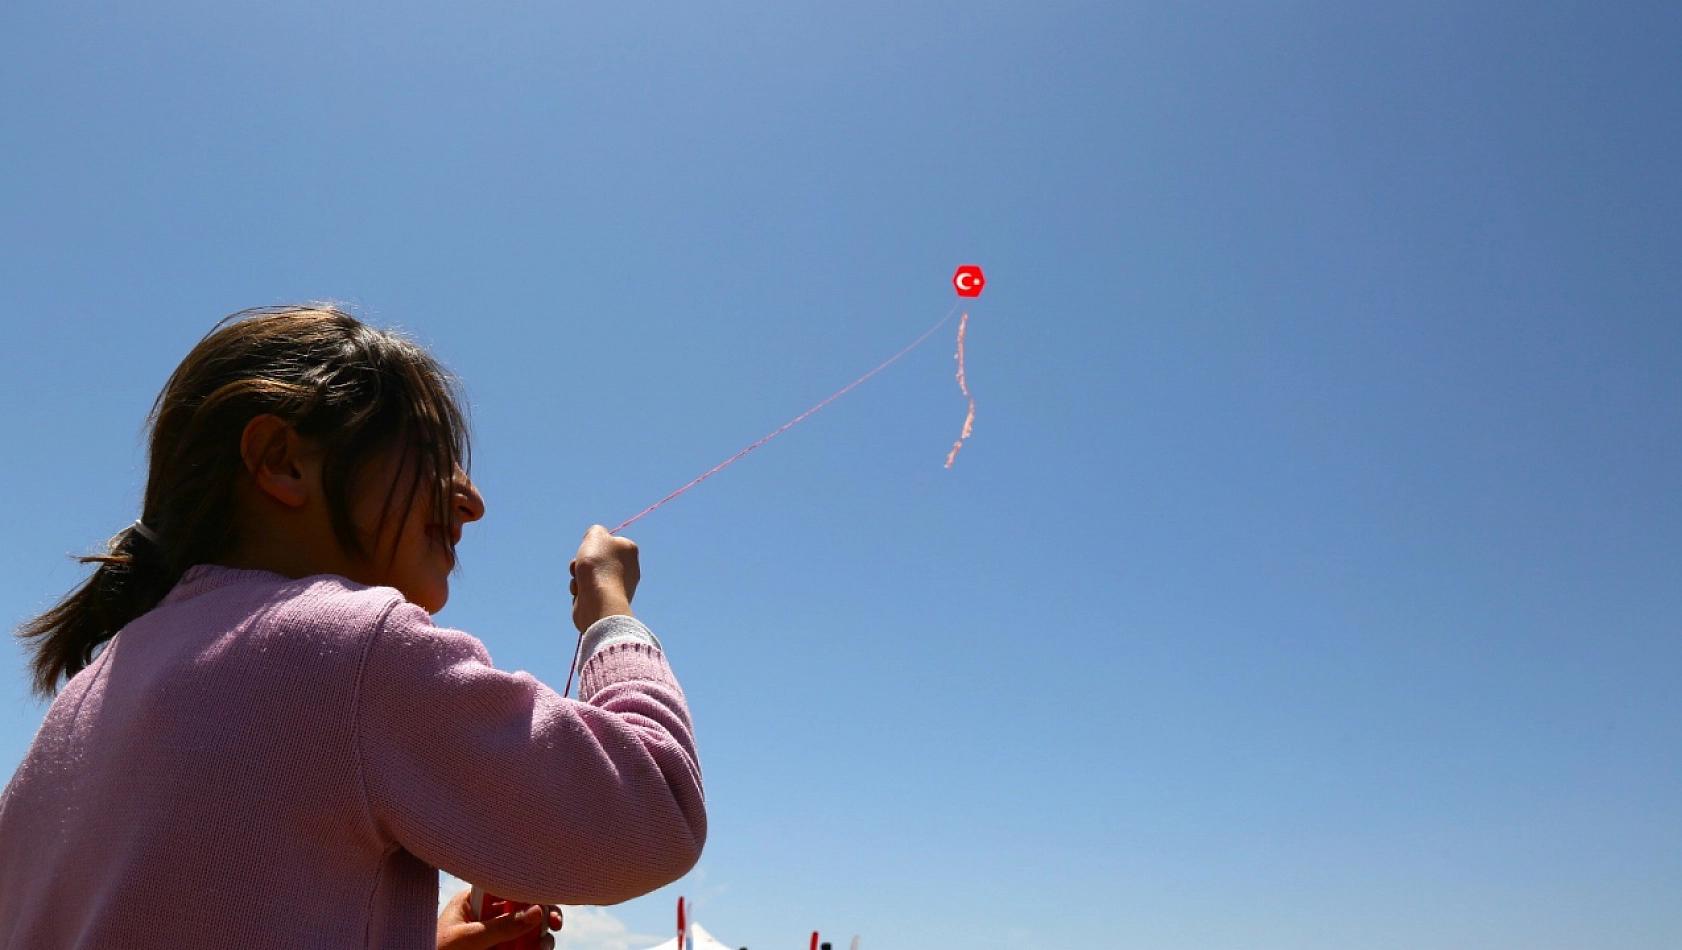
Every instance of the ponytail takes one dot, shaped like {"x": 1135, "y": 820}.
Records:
{"x": 133, "y": 576}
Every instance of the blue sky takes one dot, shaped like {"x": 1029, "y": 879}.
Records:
{"x": 1311, "y": 579}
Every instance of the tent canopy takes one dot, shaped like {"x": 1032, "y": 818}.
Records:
{"x": 699, "y": 939}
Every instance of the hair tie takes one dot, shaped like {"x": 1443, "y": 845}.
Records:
{"x": 146, "y": 532}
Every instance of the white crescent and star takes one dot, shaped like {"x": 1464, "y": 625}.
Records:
{"x": 964, "y": 280}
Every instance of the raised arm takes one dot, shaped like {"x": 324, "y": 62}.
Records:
{"x": 493, "y": 777}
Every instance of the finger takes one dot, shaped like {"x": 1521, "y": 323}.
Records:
{"x": 509, "y": 926}
{"x": 455, "y": 909}
{"x": 528, "y": 919}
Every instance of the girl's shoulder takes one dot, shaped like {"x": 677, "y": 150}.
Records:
{"x": 318, "y": 600}
{"x": 328, "y": 614}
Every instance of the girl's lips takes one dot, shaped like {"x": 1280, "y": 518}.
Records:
{"x": 455, "y": 534}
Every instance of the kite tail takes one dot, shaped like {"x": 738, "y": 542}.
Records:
{"x": 969, "y": 420}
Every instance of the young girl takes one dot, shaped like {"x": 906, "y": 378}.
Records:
{"x": 275, "y": 747}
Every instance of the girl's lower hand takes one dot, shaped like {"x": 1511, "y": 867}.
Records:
{"x": 456, "y": 932}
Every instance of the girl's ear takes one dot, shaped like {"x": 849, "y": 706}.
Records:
{"x": 277, "y": 459}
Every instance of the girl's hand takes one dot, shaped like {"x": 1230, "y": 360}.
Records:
{"x": 604, "y": 577}
{"x": 456, "y": 932}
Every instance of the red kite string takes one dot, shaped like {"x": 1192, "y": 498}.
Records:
{"x": 785, "y": 426}
{"x": 841, "y": 392}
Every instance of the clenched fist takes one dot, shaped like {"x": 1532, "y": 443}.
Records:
{"x": 604, "y": 577}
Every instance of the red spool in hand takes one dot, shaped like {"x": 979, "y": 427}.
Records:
{"x": 482, "y": 906}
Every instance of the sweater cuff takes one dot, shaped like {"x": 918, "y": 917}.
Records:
{"x": 610, "y": 630}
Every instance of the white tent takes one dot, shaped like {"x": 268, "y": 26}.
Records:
{"x": 699, "y": 939}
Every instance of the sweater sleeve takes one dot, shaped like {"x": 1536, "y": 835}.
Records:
{"x": 495, "y": 778}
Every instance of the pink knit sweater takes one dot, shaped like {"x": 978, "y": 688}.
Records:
{"x": 275, "y": 764}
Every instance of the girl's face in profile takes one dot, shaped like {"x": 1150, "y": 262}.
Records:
{"x": 411, "y": 554}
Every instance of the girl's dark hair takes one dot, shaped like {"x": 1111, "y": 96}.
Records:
{"x": 349, "y": 389}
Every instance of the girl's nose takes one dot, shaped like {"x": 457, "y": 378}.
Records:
{"x": 470, "y": 505}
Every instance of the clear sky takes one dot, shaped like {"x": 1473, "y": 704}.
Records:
{"x": 1313, "y": 578}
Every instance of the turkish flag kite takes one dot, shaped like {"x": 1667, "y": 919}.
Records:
{"x": 968, "y": 281}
